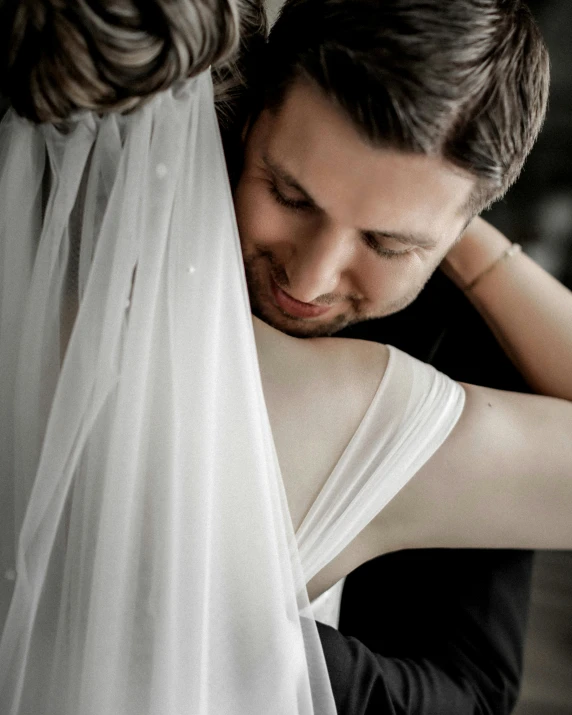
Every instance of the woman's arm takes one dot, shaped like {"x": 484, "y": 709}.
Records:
{"x": 504, "y": 476}
{"x": 502, "y": 479}
{"x": 528, "y": 310}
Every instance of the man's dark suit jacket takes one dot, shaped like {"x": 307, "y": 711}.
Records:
{"x": 434, "y": 632}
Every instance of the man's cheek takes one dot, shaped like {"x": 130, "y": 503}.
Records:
{"x": 258, "y": 225}
{"x": 407, "y": 273}
{"x": 393, "y": 283}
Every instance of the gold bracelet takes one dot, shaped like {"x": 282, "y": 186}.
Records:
{"x": 512, "y": 250}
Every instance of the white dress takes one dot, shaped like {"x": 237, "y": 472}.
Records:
{"x": 412, "y": 412}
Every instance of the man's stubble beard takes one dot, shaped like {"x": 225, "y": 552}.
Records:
{"x": 257, "y": 290}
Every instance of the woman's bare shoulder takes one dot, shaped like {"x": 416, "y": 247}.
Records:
{"x": 317, "y": 392}
{"x": 339, "y": 363}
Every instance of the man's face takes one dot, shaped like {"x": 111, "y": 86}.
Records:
{"x": 334, "y": 231}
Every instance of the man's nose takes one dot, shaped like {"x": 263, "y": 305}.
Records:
{"x": 318, "y": 263}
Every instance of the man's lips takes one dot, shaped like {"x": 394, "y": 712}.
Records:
{"x": 294, "y": 307}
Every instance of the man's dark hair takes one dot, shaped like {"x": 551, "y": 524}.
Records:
{"x": 463, "y": 79}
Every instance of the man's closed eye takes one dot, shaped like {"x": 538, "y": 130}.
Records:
{"x": 294, "y": 204}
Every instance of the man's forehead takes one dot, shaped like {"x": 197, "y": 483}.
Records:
{"x": 309, "y": 127}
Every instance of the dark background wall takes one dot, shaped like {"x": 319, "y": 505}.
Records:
{"x": 537, "y": 212}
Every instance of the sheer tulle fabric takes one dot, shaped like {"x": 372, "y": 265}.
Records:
{"x": 148, "y": 561}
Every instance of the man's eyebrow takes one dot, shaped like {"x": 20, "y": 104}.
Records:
{"x": 410, "y": 239}
{"x": 288, "y": 179}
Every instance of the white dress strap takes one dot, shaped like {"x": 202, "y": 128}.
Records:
{"x": 412, "y": 413}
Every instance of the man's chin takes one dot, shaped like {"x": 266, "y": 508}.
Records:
{"x": 302, "y": 328}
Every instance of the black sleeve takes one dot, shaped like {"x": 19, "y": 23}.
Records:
{"x": 434, "y": 632}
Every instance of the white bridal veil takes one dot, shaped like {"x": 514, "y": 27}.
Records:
{"x": 148, "y": 563}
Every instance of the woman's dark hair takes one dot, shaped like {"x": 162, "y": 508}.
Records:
{"x": 60, "y": 56}
{"x": 463, "y": 79}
